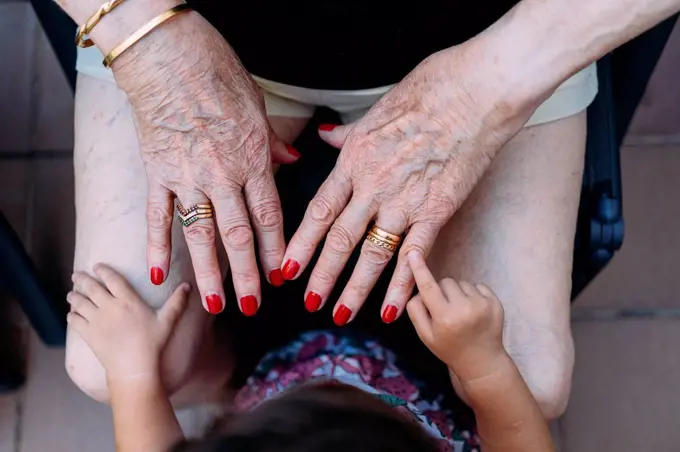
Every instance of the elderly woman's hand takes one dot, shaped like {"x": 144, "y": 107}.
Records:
{"x": 407, "y": 166}
{"x": 205, "y": 138}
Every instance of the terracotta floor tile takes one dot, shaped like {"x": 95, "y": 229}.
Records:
{"x": 659, "y": 111}
{"x": 644, "y": 274}
{"x": 8, "y": 422}
{"x": 625, "y": 391}
{"x": 57, "y": 416}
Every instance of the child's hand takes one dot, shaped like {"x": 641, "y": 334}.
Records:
{"x": 461, "y": 323}
{"x": 126, "y": 335}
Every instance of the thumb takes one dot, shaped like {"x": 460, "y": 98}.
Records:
{"x": 335, "y": 135}
{"x": 281, "y": 152}
{"x": 172, "y": 310}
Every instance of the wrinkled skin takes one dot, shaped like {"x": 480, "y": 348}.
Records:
{"x": 408, "y": 165}
{"x": 204, "y": 136}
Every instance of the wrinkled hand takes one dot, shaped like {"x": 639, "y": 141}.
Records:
{"x": 125, "y": 334}
{"x": 460, "y": 322}
{"x": 407, "y": 165}
{"x": 204, "y": 137}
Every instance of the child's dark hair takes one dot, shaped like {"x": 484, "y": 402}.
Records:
{"x": 318, "y": 417}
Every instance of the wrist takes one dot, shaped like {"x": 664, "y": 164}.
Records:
{"x": 119, "y": 23}
{"x": 482, "y": 388}
{"x": 141, "y": 376}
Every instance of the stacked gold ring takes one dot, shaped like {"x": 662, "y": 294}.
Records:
{"x": 383, "y": 239}
{"x": 194, "y": 213}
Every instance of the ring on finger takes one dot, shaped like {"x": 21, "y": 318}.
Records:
{"x": 383, "y": 239}
{"x": 194, "y": 213}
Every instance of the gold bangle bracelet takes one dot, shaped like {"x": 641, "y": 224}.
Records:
{"x": 145, "y": 30}
{"x": 86, "y": 28}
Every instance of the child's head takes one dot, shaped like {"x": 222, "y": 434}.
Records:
{"x": 320, "y": 417}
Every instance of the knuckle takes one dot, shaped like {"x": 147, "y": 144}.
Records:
{"x": 323, "y": 277}
{"x": 375, "y": 256}
{"x": 403, "y": 284}
{"x": 449, "y": 321}
{"x": 159, "y": 249}
{"x": 200, "y": 234}
{"x": 340, "y": 240}
{"x": 267, "y": 215}
{"x": 158, "y": 218}
{"x": 247, "y": 278}
{"x": 238, "y": 236}
{"x": 271, "y": 253}
{"x": 321, "y": 210}
{"x": 208, "y": 274}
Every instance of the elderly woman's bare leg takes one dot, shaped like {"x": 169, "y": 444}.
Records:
{"x": 516, "y": 234}
{"x": 111, "y": 228}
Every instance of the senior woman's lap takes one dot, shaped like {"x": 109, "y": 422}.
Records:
{"x": 111, "y": 228}
{"x": 111, "y": 192}
{"x": 516, "y": 233}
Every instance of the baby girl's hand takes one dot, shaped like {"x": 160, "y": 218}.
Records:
{"x": 461, "y": 323}
{"x": 126, "y": 335}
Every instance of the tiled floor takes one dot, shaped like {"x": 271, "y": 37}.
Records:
{"x": 625, "y": 395}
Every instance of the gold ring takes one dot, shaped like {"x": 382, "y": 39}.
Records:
{"x": 194, "y": 213}
{"x": 383, "y": 239}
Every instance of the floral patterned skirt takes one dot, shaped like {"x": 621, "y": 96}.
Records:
{"x": 359, "y": 362}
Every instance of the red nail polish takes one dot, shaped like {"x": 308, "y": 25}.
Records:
{"x": 390, "y": 314}
{"x": 290, "y": 269}
{"x": 249, "y": 305}
{"x": 327, "y": 127}
{"x": 292, "y": 151}
{"x": 342, "y": 315}
{"x": 276, "y": 278}
{"x": 312, "y": 301}
{"x": 214, "y": 303}
{"x": 156, "y": 276}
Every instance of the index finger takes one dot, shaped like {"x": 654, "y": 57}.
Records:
{"x": 429, "y": 289}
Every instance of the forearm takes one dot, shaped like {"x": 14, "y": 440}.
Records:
{"x": 541, "y": 43}
{"x": 508, "y": 417}
{"x": 143, "y": 417}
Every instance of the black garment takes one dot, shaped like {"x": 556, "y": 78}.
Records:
{"x": 344, "y": 45}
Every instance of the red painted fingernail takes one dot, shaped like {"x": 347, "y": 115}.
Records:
{"x": 156, "y": 276}
{"x": 327, "y": 127}
{"x": 214, "y": 303}
{"x": 276, "y": 278}
{"x": 290, "y": 269}
{"x": 390, "y": 314}
{"x": 292, "y": 151}
{"x": 342, "y": 315}
{"x": 312, "y": 301}
{"x": 249, "y": 305}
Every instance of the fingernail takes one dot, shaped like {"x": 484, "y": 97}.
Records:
{"x": 249, "y": 305}
{"x": 342, "y": 315}
{"x": 156, "y": 276}
{"x": 390, "y": 314}
{"x": 292, "y": 151}
{"x": 214, "y": 303}
{"x": 290, "y": 269}
{"x": 312, "y": 301}
{"x": 276, "y": 278}
{"x": 327, "y": 127}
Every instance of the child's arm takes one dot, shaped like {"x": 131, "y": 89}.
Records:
{"x": 462, "y": 324}
{"x": 143, "y": 418}
{"x": 128, "y": 338}
{"x": 508, "y": 417}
